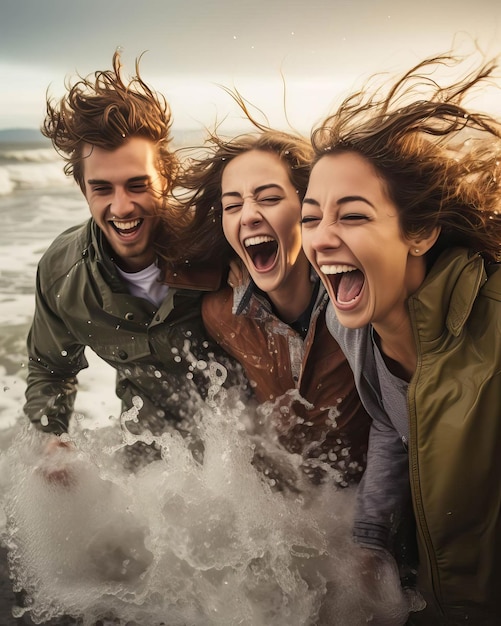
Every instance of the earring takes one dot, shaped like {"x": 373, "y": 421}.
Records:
{"x": 416, "y": 250}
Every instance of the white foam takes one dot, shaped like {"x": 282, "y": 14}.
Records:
{"x": 182, "y": 541}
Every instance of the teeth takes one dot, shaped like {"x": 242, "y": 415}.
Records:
{"x": 254, "y": 241}
{"x": 336, "y": 269}
{"x": 126, "y": 225}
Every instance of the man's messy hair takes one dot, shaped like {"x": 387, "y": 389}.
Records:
{"x": 105, "y": 111}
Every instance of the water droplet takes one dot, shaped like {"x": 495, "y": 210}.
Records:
{"x": 137, "y": 402}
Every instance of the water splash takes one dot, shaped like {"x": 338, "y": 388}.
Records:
{"x": 187, "y": 539}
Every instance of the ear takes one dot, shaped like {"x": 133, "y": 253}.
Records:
{"x": 418, "y": 246}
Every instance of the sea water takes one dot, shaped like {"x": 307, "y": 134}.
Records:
{"x": 182, "y": 541}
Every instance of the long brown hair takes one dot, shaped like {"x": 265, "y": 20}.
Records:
{"x": 441, "y": 162}
{"x": 200, "y": 181}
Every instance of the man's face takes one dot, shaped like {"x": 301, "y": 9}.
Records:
{"x": 124, "y": 189}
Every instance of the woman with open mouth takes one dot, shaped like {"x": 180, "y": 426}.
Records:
{"x": 401, "y": 221}
{"x": 246, "y": 198}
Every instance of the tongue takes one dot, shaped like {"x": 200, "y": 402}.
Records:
{"x": 350, "y": 285}
{"x": 260, "y": 261}
{"x": 264, "y": 255}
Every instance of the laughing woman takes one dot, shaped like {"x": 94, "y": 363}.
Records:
{"x": 246, "y": 197}
{"x": 401, "y": 221}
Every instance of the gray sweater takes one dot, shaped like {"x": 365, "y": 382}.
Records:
{"x": 384, "y": 492}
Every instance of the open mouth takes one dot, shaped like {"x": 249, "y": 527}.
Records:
{"x": 126, "y": 227}
{"x": 263, "y": 251}
{"x": 346, "y": 281}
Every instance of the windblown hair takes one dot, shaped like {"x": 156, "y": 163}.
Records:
{"x": 201, "y": 179}
{"x": 102, "y": 110}
{"x": 440, "y": 162}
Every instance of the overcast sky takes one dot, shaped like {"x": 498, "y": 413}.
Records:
{"x": 321, "y": 47}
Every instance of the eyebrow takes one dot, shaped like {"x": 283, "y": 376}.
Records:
{"x": 256, "y": 190}
{"x": 134, "y": 179}
{"x": 343, "y": 200}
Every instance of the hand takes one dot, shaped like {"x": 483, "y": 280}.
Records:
{"x": 54, "y": 466}
{"x": 380, "y": 581}
{"x": 371, "y": 564}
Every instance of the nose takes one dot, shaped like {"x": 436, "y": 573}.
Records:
{"x": 250, "y": 215}
{"x": 121, "y": 203}
{"x": 325, "y": 236}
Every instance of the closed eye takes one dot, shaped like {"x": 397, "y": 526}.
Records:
{"x": 269, "y": 200}
{"x": 101, "y": 189}
{"x": 139, "y": 187}
{"x": 232, "y": 207}
{"x": 354, "y": 217}
{"x": 308, "y": 219}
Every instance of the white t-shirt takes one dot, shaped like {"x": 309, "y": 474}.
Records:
{"x": 145, "y": 284}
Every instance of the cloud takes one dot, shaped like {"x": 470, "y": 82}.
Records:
{"x": 190, "y": 45}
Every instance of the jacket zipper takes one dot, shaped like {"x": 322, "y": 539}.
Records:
{"x": 421, "y": 523}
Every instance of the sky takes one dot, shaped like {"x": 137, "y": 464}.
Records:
{"x": 298, "y": 56}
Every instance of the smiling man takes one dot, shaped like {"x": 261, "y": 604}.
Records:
{"x": 103, "y": 284}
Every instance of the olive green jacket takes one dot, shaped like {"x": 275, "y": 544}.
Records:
{"x": 454, "y": 447}
{"x": 455, "y": 437}
{"x": 158, "y": 354}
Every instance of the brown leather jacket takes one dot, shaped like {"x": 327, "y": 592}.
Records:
{"x": 307, "y": 385}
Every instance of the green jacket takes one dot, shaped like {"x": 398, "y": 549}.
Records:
{"x": 455, "y": 437}
{"x": 81, "y": 301}
{"x": 453, "y": 453}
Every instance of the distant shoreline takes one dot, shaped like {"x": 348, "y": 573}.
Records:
{"x": 180, "y": 136}
{"x": 22, "y": 135}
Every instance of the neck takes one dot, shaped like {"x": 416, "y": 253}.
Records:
{"x": 399, "y": 348}
{"x": 396, "y": 339}
{"x": 293, "y": 297}
{"x": 131, "y": 266}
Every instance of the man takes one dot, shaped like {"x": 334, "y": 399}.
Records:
{"x": 103, "y": 284}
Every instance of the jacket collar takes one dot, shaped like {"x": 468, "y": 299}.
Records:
{"x": 244, "y": 295}
{"x": 448, "y": 293}
{"x": 102, "y": 254}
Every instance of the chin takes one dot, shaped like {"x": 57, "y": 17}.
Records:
{"x": 351, "y": 320}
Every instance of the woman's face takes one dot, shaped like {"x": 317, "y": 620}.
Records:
{"x": 261, "y": 217}
{"x": 352, "y": 237}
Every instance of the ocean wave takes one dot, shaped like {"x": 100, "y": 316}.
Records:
{"x": 29, "y": 175}
{"x": 33, "y": 155}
